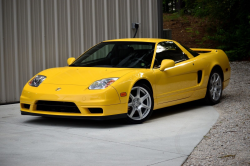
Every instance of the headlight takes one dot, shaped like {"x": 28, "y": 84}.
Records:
{"x": 102, "y": 84}
{"x": 37, "y": 80}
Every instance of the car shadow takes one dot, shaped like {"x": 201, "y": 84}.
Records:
{"x": 75, "y": 123}
{"x": 176, "y": 109}
{"x": 104, "y": 124}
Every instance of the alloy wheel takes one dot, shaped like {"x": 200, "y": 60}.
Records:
{"x": 139, "y": 104}
{"x": 215, "y": 87}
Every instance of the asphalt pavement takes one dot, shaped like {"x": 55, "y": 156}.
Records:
{"x": 167, "y": 138}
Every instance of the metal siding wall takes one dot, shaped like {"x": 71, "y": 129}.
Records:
{"x": 8, "y": 50}
{"x": 111, "y": 15}
{"x": 40, "y": 34}
{"x": 36, "y": 36}
{"x": 122, "y": 5}
{"x": 88, "y": 22}
{"x": 2, "y": 67}
{"x": 154, "y": 19}
{"x": 133, "y": 16}
{"x": 99, "y": 21}
{"x": 144, "y": 18}
{"x": 62, "y": 28}
{"x": 23, "y": 59}
{"x": 75, "y": 29}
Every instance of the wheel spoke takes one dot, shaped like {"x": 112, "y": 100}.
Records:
{"x": 132, "y": 112}
{"x": 211, "y": 82}
{"x": 138, "y": 92}
{"x": 218, "y": 86}
{"x": 217, "y": 79}
{"x": 140, "y": 113}
{"x": 144, "y": 97}
{"x": 211, "y": 90}
{"x": 145, "y": 106}
{"x": 130, "y": 104}
{"x": 217, "y": 93}
{"x": 214, "y": 95}
{"x": 213, "y": 78}
{"x": 132, "y": 97}
{"x": 219, "y": 83}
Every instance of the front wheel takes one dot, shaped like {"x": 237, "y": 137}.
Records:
{"x": 214, "y": 88}
{"x": 140, "y": 104}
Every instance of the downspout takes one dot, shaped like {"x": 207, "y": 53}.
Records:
{"x": 160, "y": 19}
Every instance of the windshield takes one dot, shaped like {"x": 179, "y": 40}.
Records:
{"x": 118, "y": 55}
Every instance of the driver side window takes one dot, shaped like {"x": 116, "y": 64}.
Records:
{"x": 168, "y": 50}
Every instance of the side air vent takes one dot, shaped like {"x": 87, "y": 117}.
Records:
{"x": 96, "y": 110}
{"x": 199, "y": 76}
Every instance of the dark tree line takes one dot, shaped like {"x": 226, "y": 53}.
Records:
{"x": 170, "y": 6}
{"x": 230, "y": 19}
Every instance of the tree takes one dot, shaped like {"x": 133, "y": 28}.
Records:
{"x": 232, "y": 21}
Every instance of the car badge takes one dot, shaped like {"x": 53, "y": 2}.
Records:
{"x": 57, "y": 89}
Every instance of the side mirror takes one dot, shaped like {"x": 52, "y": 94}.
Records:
{"x": 166, "y": 63}
{"x": 71, "y": 60}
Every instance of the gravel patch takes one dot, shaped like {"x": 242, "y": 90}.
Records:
{"x": 228, "y": 141}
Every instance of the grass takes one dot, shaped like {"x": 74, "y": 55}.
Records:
{"x": 174, "y": 16}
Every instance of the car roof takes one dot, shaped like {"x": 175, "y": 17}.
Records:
{"x": 154, "y": 40}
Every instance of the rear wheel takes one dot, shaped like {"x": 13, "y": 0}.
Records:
{"x": 140, "y": 104}
{"x": 214, "y": 88}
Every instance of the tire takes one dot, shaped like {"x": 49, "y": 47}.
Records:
{"x": 140, "y": 104}
{"x": 214, "y": 88}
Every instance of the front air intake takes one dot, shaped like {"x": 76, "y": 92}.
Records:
{"x": 27, "y": 106}
{"x": 96, "y": 110}
{"x": 57, "y": 106}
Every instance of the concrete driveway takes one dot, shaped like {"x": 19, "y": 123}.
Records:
{"x": 167, "y": 138}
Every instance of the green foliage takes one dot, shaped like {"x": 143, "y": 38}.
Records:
{"x": 203, "y": 40}
{"x": 235, "y": 42}
{"x": 190, "y": 30}
{"x": 173, "y": 16}
{"x": 165, "y": 18}
{"x": 185, "y": 19}
{"x": 232, "y": 21}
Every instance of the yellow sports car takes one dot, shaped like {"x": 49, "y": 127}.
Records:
{"x": 127, "y": 78}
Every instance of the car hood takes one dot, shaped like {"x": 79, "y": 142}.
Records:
{"x": 81, "y": 75}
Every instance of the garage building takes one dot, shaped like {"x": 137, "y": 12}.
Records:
{"x": 41, "y": 34}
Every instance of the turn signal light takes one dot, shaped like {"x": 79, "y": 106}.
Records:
{"x": 123, "y": 94}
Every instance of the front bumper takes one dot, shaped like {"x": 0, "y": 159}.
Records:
{"x": 107, "y": 99}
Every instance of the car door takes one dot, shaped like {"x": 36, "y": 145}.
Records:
{"x": 177, "y": 82}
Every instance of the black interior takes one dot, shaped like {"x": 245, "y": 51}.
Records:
{"x": 177, "y": 56}
{"x": 121, "y": 55}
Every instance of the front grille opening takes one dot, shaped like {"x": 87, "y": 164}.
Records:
{"x": 96, "y": 110}
{"x": 27, "y": 106}
{"x": 57, "y": 106}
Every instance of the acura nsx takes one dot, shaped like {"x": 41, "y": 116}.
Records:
{"x": 127, "y": 78}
